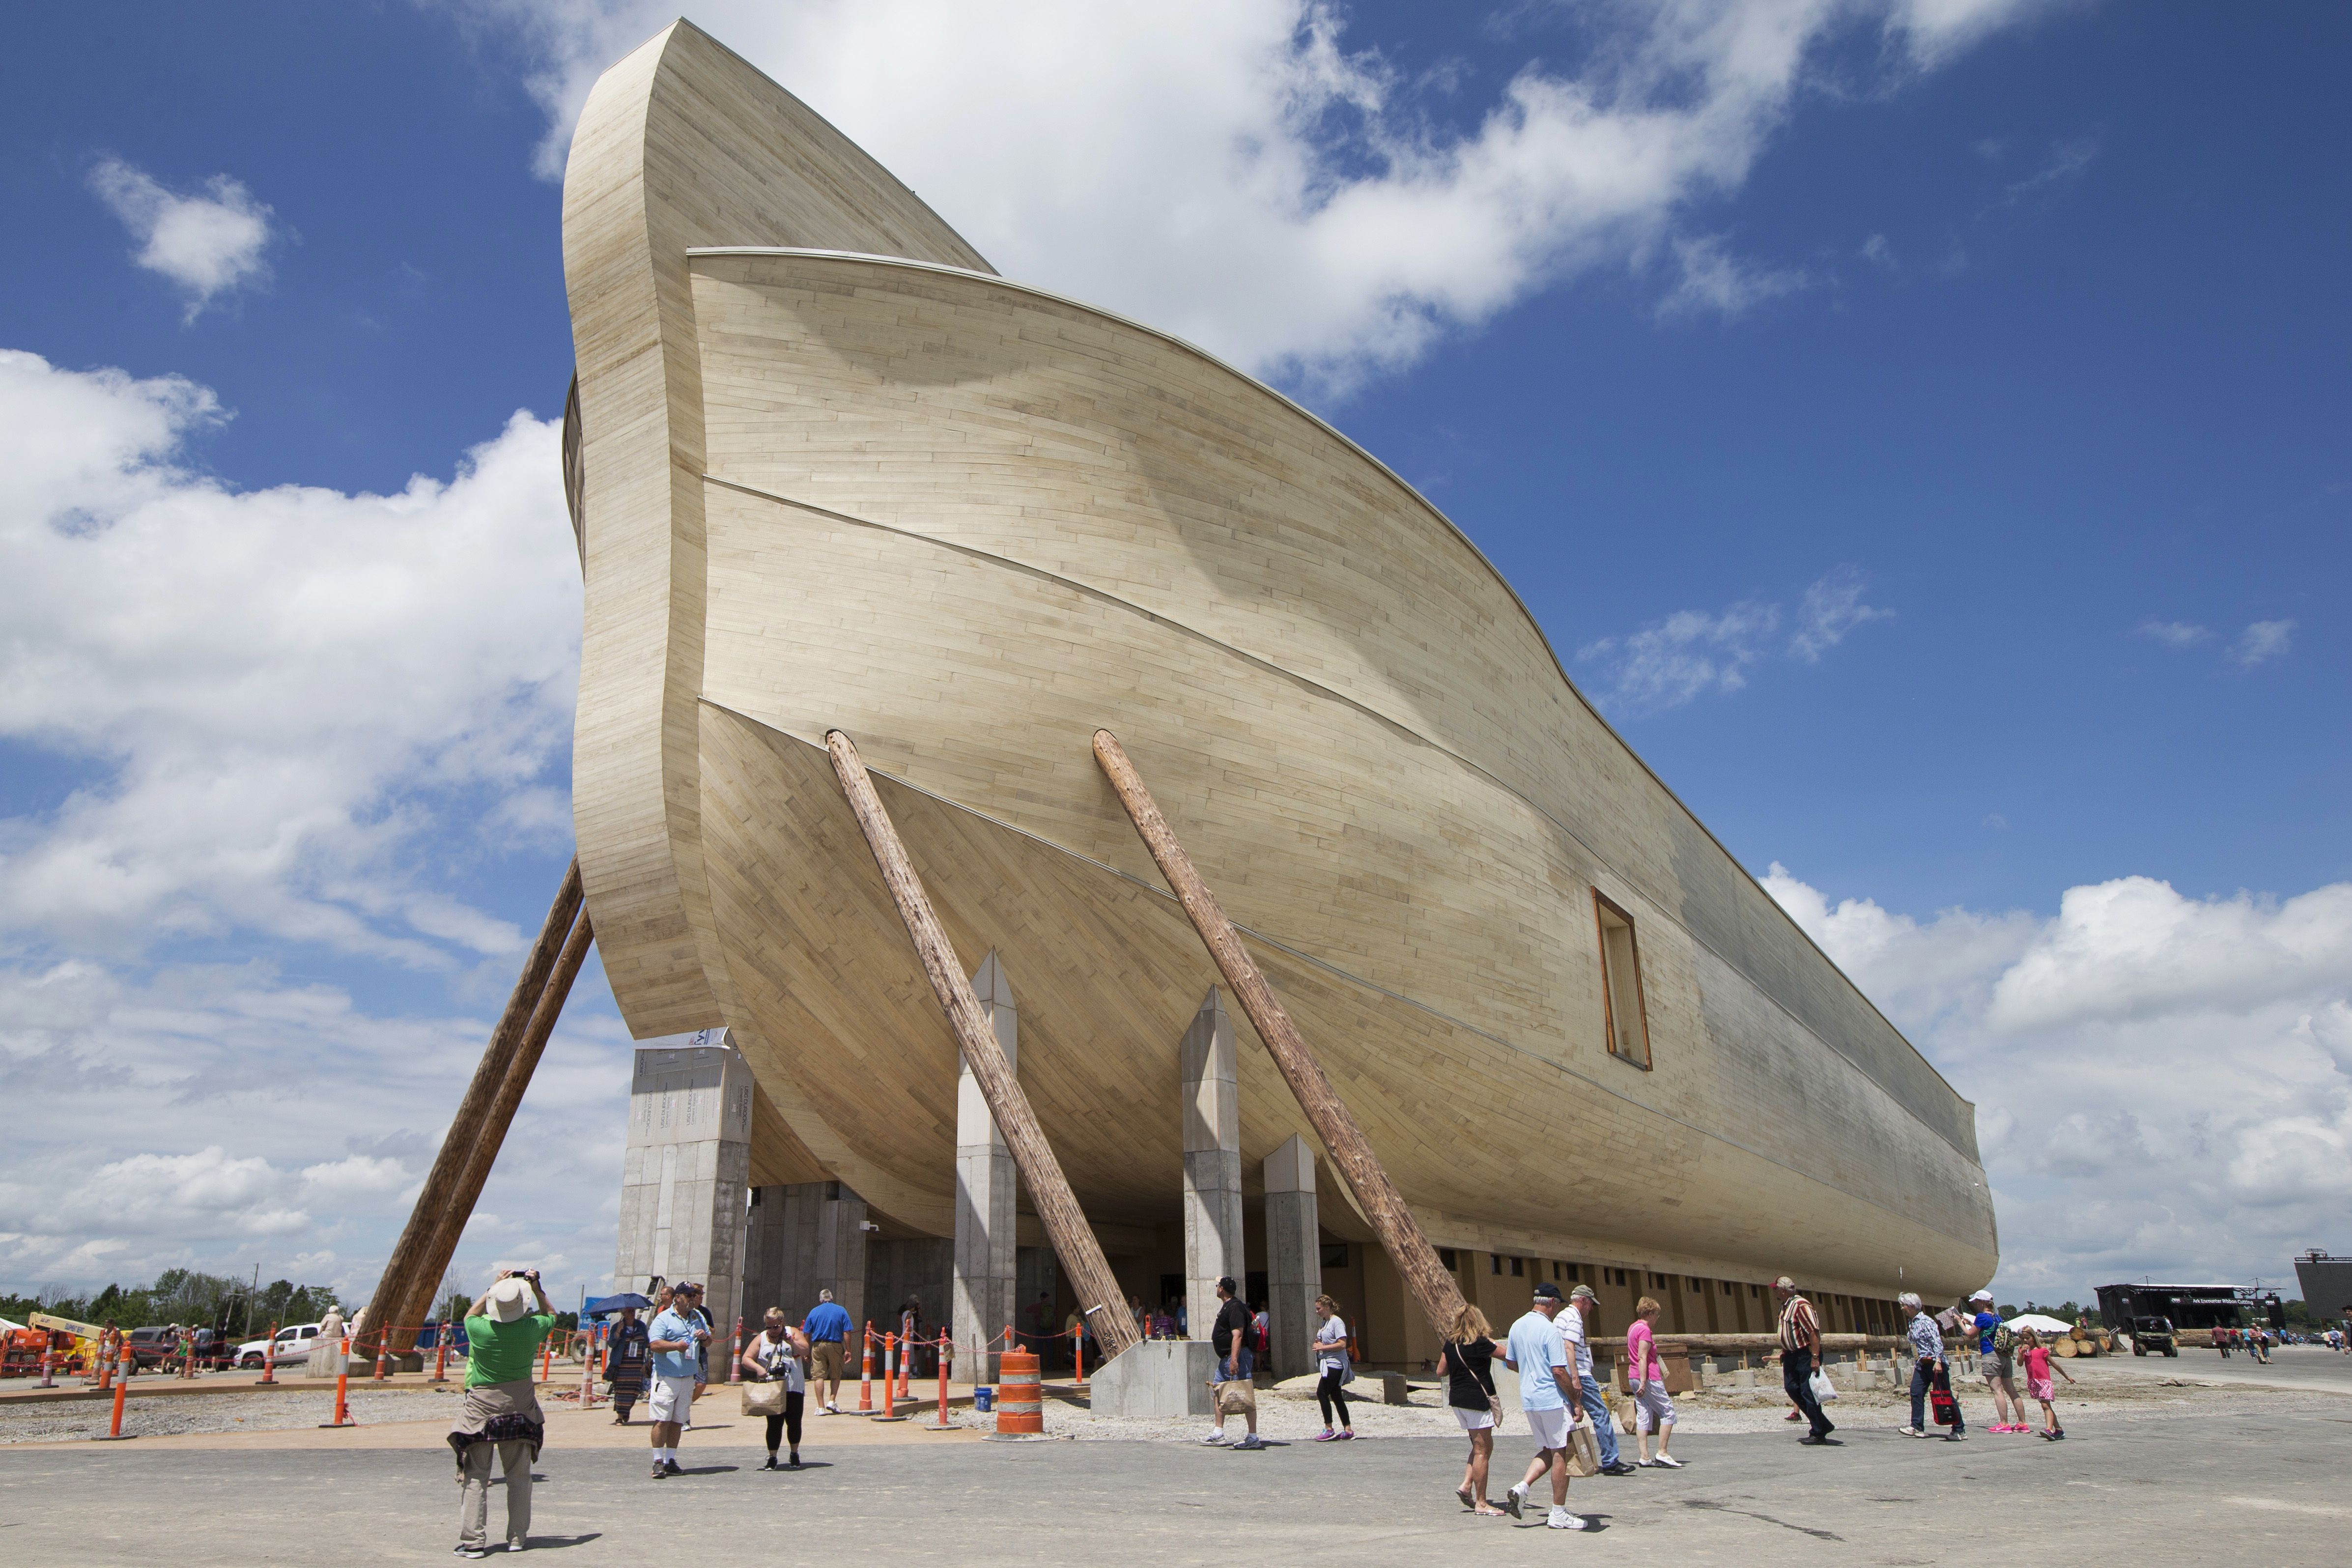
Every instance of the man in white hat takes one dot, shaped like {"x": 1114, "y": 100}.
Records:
{"x": 502, "y": 1417}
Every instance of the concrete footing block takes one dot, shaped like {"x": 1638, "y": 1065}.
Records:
{"x": 1159, "y": 1378}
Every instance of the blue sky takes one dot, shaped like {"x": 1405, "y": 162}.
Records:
{"x": 2013, "y": 334}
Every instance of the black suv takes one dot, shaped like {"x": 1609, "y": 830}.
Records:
{"x": 2154, "y": 1334}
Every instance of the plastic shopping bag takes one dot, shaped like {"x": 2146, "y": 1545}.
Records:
{"x": 1824, "y": 1389}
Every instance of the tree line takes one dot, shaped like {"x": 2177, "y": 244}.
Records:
{"x": 187, "y": 1297}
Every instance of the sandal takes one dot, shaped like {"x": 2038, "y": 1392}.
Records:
{"x": 1467, "y": 1500}
{"x": 1488, "y": 1510}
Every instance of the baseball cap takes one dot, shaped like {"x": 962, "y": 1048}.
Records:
{"x": 1982, "y": 1295}
{"x": 1582, "y": 1293}
{"x": 1547, "y": 1291}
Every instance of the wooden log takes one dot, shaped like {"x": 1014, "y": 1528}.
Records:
{"x": 1399, "y": 1234}
{"x": 500, "y": 1117}
{"x": 1066, "y": 1224}
{"x": 404, "y": 1273}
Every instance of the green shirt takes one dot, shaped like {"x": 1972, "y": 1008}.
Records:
{"x": 502, "y": 1353}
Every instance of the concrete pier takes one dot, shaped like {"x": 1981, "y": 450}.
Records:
{"x": 987, "y": 1188}
{"x": 1293, "y": 1258}
{"x": 686, "y": 1178}
{"x": 1212, "y": 1163}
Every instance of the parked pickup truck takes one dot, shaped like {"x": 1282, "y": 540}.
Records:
{"x": 293, "y": 1344}
{"x": 2154, "y": 1334}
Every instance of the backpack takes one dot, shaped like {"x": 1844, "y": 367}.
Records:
{"x": 2004, "y": 1339}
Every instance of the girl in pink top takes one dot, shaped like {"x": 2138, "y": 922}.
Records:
{"x": 1646, "y": 1374}
{"x": 2038, "y": 1368}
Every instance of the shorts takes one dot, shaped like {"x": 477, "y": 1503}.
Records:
{"x": 2039, "y": 1388}
{"x": 1477, "y": 1420}
{"x": 1653, "y": 1406}
{"x": 1549, "y": 1427}
{"x": 826, "y": 1354}
{"x": 1244, "y": 1366}
{"x": 1998, "y": 1366}
{"x": 671, "y": 1399}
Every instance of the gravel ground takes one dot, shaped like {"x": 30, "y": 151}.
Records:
{"x": 217, "y": 1413}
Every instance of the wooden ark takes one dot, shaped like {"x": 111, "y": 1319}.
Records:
{"x": 831, "y": 471}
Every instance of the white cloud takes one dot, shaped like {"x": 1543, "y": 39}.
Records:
{"x": 2163, "y": 1084}
{"x": 1229, "y": 170}
{"x": 1691, "y": 653}
{"x": 277, "y": 691}
{"x": 1683, "y": 657}
{"x": 1715, "y": 279}
{"x": 2175, "y": 634}
{"x": 1833, "y": 608}
{"x": 210, "y": 242}
{"x": 2263, "y": 641}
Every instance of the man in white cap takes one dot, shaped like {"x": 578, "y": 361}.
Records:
{"x": 677, "y": 1336}
{"x": 502, "y": 1417}
{"x": 1996, "y": 1356}
{"x": 1547, "y": 1396}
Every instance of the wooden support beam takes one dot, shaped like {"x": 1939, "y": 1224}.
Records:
{"x": 495, "y": 1122}
{"x": 404, "y": 1273}
{"x": 1383, "y": 1206}
{"x": 1066, "y": 1224}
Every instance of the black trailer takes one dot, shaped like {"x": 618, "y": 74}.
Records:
{"x": 2189, "y": 1306}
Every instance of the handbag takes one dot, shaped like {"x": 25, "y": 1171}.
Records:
{"x": 1583, "y": 1451}
{"x": 763, "y": 1398}
{"x": 1939, "y": 1397}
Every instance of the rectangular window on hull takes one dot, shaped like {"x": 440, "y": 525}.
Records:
{"x": 1620, "y": 984}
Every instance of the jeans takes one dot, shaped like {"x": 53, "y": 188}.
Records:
{"x": 474, "y": 1506}
{"x": 1923, "y": 1378}
{"x": 1604, "y": 1425}
{"x": 1797, "y": 1380}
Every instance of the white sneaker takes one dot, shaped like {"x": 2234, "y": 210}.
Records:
{"x": 1563, "y": 1519}
{"x": 1668, "y": 1461}
{"x": 1216, "y": 1437}
{"x": 1513, "y": 1498}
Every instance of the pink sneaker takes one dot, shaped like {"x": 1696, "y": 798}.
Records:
{"x": 1325, "y": 1435}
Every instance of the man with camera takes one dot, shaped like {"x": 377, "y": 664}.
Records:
{"x": 678, "y": 1336}
{"x": 502, "y": 1417}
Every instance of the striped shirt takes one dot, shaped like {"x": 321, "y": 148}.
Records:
{"x": 1797, "y": 1329}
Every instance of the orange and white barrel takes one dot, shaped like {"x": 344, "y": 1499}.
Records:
{"x": 1019, "y": 1409}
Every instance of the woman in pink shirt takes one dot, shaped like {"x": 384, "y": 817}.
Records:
{"x": 1646, "y": 1376}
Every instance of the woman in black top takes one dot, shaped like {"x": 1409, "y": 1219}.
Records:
{"x": 1468, "y": 1362}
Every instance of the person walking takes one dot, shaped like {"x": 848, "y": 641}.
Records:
{"x": 1801, "y": 1355}
{"x": 1930, "y": 1371}
{"x": 1576, "y": 1325}
{"x": 629, "y": 1362}
{"x": 2038, "y": 1367}
{"x": 500, "y": 1419}
{"x": 1646, "y": 1375}
{"x": 1468, "y": 1361}
{"x": 826, "y": 1329}
{"x": 1548, "y": 1392}
{"x": 1997, "y": 1359}
{"x": 779, "y": 1354}
{"x": 677, "y": 1339}
{"x": 1332, "y": 1361}
{"x": 1235, "y": 1393}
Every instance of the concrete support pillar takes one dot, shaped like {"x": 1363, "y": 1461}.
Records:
{"x": 1213, "y": 1163}
{"x": 686, "y": 1177}
{"x": 1293, "y": 1258}
{"x": 986, "y": 1189}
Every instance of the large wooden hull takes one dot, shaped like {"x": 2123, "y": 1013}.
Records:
{"x": 969, "y": 523}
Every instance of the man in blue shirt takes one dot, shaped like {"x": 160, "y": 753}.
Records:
{"x": 828, "y": 1327}
{"x": 1547, "y": 1393}
{"x": 677, "y": 1336}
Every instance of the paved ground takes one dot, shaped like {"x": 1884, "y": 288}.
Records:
{"x": 2236, "y": 1474}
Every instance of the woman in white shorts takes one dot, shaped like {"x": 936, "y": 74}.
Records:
{"x": 1468, "y": 1362}
{"x": 1646, "y": 1375}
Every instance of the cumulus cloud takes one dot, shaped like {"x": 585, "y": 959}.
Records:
{"x": 2261, "y": 642}
{"x": 210, "y": 242}
{"x": 274, "y": 694}
{"x": 2163, "y": 1082}
{"x": 1692, "y": 653}
{"x": 1234, "y": 172}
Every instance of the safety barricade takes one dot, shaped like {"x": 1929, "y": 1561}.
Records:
{"x": 1019, "y": 1408}
{"x": 114, "y": 1432}
{"x": 268, "y": 1359}
{"x": 342, "y": 1388}
{"x": 866, "y": 1375}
